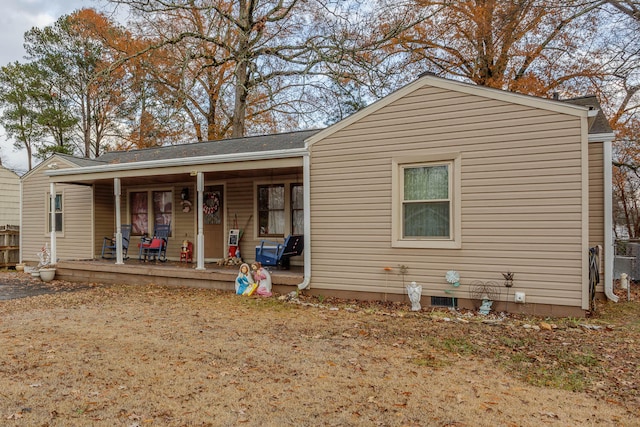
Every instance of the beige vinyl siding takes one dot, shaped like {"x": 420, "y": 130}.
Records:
{"x": 521, "y": 198}
{"x": 596, "y": 199}
{"x": 105, "y": 223}
{"x": 9, "y": 197}
{"x": 76, "y": 239}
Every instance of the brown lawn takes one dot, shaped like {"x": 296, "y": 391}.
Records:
{"x": 154, "y": 356}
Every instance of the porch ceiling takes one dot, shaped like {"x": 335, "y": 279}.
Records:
{"x": 182, "y": 177}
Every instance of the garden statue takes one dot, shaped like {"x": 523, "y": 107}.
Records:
{"x": 244, "y": 281}
{"x": 415, "y": 293}
{"x": 263, "y": 278}
{"x": 485, "y": 308}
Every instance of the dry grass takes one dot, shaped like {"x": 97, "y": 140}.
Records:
{"x": 152, "y": 356}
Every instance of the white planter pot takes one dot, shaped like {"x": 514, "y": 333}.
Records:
{"x": 47, "y": 274}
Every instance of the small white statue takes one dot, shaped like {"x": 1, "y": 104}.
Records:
{"x": 415, "y": 293}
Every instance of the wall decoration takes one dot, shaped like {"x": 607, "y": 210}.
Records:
{"x": 211, "y": 207}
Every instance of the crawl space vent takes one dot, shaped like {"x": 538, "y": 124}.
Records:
{"x": 443, "y": 302}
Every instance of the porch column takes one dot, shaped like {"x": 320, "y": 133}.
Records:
{"x": 200, "y": 242}
{"x": 116, "y": 195}
{"x": 52, "y": 220}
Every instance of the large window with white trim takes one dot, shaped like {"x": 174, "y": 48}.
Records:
{"x": 271, "y": 219}
{"x": 149, "y": 207}
{"x": 426, "y": 202}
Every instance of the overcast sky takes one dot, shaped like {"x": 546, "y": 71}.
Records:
{"x": 16, "y": 18}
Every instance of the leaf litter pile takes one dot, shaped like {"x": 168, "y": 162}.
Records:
{"x": 172, "y": 356}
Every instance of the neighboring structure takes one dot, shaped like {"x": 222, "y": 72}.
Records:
{"x": 9, "y": 217}
{"x": 9, "y": 197}
{"x": 437, "y": 176}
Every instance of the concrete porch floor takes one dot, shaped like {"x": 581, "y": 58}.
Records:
{"x": 170, "y": 273}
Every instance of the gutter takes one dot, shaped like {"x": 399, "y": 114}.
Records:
{"x": 187, "y": 161}
{"x": 306, "y": 189}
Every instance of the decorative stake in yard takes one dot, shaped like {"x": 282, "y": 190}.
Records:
{"x": 453, "y": 277}
{"x": 487, "y": 293}
{"x": 386, "y": 281}
{"x": 508, "y": 283}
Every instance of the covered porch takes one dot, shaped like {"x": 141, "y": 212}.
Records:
{"x": 204, "y": 192}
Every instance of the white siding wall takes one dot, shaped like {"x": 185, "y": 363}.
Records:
{"x": 9, "y": 197}
{"x": 521, "y": 198}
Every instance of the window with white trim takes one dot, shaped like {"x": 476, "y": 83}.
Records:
{"x": 426, "y": 202}
{"x": 59, "y": 215}
{"x": 271, "y": 203}
{"x": 150, "y": 205}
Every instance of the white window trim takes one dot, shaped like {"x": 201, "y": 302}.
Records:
{"x": 47, "y": 231}
{"x": 287, "y": 206}
{"x": 455, "y": 239}
{"x": 149, "y": 191}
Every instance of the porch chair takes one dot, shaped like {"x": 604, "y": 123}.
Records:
{"x": 156, "y": 247}
{"x": 279, "y": 254}
{"x": 109, "y": 249}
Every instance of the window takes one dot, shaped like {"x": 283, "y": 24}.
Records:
{"x": 139, "y": 213}
{"x": 271, "y": 210}
{"x": 426, "y": 202}
{"x": 58, "y": 212}
{"x": 162, "y": 207}
{"x": 297, "y": 209}
{"x": 161, "y": 210}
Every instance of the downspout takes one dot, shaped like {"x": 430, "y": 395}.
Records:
{"x": 306, "y": 191}
{"x": 608, "y": 221}
{"x": 52, "y": 216}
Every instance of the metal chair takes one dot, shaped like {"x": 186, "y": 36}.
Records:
{"x": 109, "y": 249}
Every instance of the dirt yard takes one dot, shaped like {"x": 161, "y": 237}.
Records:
{"x": 153, "y": 356}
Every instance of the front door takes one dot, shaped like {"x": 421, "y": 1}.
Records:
{"x": 213, "y": 212}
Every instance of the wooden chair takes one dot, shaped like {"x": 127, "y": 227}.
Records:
{"x": 156, "y": 247}
{"x": 109, "y": 249}
{"x": 279, "y": 254}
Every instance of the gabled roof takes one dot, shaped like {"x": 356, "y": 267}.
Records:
{"x": 249, "y": 144}
{"x": 472, "y": 89}
{"x": 599, "y": 124}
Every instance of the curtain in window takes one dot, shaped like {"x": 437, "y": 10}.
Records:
{"x": 297, "y": 209}
{"x": 162, "y": 207}
{"x": 271, "y": 209}
{"x": 139, "y": 214}
{"x": 426, "y": 202}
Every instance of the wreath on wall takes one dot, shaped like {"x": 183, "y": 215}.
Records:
{"x": 212, "y": 204}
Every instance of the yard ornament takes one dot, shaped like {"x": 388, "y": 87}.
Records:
{"x": 244, "y": 281}
{"x": 263, "y": 278}
{"x": 415, "y": 293}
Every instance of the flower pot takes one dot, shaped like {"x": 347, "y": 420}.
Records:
{"x": 35, "y": 273}
{"x": 19, "y": 267}
{"x": 47, "y": 274}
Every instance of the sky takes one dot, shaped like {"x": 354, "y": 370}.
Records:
{"x": 16, "y": 18}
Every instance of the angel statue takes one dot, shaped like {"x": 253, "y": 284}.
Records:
{"x": 415, "y": 293}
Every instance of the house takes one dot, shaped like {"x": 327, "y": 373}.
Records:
{"x": 9, "y": 217}
{"x": 9, "y": 197}
{"x": 439, "y": 176}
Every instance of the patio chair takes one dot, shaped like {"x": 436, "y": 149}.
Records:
{"x": 279, "y": 254}
{"x": 109, "y": 248}
{"x": 156, "y": 247}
